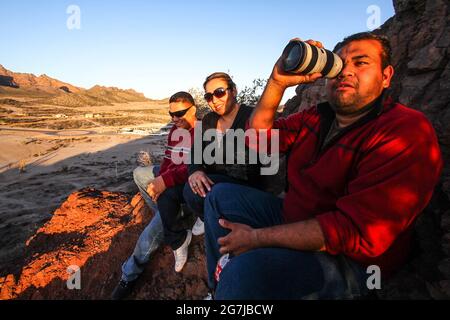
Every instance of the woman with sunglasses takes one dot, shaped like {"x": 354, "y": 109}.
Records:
{"x": 221, "y": 95}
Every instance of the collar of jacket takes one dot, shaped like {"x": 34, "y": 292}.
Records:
{"x": 327, "y": 116}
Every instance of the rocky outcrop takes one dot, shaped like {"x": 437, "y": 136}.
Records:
{"x": 7, "y": 81}
{"x": 97, "y": 231}
{"x": 420, "y": 39}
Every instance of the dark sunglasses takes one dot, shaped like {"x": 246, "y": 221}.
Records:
{"x": 179, "y": 114}
{"x": 218, "y": 93}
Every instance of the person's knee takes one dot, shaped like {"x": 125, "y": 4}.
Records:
{"x": 240, "y": 278}
{"x": 188, "y": 195}
{"x": 137, "y": 175}
{"x": 211, "y": 206}
{"x": 220, "y": 199}
{"x": 220, "y": 191}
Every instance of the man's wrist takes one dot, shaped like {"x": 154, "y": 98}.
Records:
{"x": 256, "y": 238}
{"x": 275, "y": 85}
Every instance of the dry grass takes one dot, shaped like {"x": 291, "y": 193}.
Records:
{"x": 22, "y": 166}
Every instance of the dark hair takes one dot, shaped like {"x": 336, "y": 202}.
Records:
{"x": 220, "y": 75}
{"x": 384, "y": 42}
{"x": 182, "y": 96}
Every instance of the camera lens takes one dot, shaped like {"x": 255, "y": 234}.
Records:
{"x": 294, "y": 56}
{"x": 303, "y": 58}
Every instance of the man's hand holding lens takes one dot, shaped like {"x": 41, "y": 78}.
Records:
{"x": 285, "y": 80}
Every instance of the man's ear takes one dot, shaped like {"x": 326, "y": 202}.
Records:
{"x": 388, "y": 73}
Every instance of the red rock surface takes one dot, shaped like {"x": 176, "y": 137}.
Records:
{"x": 97, "y": 231}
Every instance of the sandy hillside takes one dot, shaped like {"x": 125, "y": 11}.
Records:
{"x": 47, "y": 152}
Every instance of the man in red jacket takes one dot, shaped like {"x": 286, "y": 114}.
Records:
{"x": 162, "y": 189}
{"x": 361, "y": 168}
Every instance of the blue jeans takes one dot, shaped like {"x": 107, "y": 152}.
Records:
{"x": 272, "y": 273}
{"x": 152, "y": 236}
{"x": 196, "y": 202}
{"x": 174, "y": 218}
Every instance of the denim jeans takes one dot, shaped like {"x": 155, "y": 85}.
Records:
{"x": 175, "y": 219}
{"x": 196, "y": 202}
{"x": 152, "y": 236}
{"x": 272, "y": 273}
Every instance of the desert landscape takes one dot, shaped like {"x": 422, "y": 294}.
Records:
{"x": 56, "y": 138}
{"x": 67, "y": 196}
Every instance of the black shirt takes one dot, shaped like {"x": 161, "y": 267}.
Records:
{"x": 249, "y": 172}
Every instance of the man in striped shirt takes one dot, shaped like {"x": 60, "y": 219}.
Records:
{"x": 161, "y": 186}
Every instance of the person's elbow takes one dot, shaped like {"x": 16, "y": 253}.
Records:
{"x": 259, "y": 123}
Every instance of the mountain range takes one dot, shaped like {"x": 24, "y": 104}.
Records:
{"x": 46, "y": 90}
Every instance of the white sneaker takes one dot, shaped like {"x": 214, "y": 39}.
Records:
{"x": 209, "y": 296}
{"x": 198, "y": 228}
{"x": 181, "y": 254}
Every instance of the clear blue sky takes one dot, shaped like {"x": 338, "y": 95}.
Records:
{"x": 160, "y": 47}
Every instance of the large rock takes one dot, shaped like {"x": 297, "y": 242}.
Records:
{"x": 97, "y": 231}
{"x": 420, "y": 39}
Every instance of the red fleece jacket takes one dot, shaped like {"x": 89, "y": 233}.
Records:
{"x": 176, "y": 173}
{"x": 367, "y": 186}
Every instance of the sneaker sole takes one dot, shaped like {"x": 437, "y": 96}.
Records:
{"x": 189, "y": 242}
